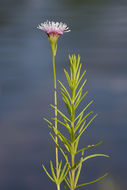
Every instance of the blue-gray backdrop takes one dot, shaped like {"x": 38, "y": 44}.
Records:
{"x": 99, "y": 35}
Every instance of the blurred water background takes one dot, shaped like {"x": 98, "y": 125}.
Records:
{"x": 99, "y": 35}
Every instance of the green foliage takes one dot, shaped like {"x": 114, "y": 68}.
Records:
{"x": 75, "y": 124}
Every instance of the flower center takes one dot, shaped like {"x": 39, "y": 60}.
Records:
{"x": 53, "y": 37}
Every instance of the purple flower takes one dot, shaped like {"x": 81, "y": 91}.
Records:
{"x": 53, "y": 29}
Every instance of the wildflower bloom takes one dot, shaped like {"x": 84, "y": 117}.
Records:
{"x": 53, "y": 29}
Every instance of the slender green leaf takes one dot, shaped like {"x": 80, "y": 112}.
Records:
{"x": 68, "y": 108}
{"x": 80, "y": 79}
{"x": 70, "y": 176}
{"x": 49, "y": 126}
{"x": 48, "y": 121}
{"x": 59, "y": 168}
{"x": 78, "y": 137}
{"x": 59, "y": 121}
{"x": 95, "y": 155}
{"x": 84, "y": 110}
{"x": 79, "y": 120}
{"x": 65, "y": 90}
{"x": 79, "y": 169}
{"x": 68, "y": 78}
{"x": 64, "y": 138}
{"x": 65, "y": 174}
{"x": 62, "y": 176}
{"x": 78, "y": 72}
{"x": 88, "y": 147}
{"x": 80, "y": 89}
{"x": 67, "y": 100}
{"x": 65, "y": 96}
{"x": 54, "y": 139}
{"x": 66, "y": 125}
{"x": 65, "y": 141}
{"x": 53, "y": 173}
{"x": 78, "y": 98}
{"x": 66, "y": 183}
{"x": 94, "y": 181}
{"x": 61, "y": 113}
{"x": 67, "y": 103}
{"x": 88, "y": 124}
{"x": 82, "y": 130}
{"x": 78, "y": 101}
{"x": 65, "y": 156}
{"x": 78, "y": 69}
{"x": 47, "y": 173}
{"x": 79, "y": 123}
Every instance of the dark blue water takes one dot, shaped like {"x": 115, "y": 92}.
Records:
{"x": 99, "y": 35}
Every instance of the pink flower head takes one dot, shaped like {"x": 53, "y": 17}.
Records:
{"x": 53, "y": 29}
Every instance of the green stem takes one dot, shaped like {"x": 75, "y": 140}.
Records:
{"x": 73, "y": 170}
{"x": 58, "y": 187}
{"x": 72, "y": 144}
{"x": 53, "y": 45}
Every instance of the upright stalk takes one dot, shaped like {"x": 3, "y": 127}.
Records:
{"x": 54, "y": 46}
{"x": 73, "y": 170}
{"x": 72, "y": 144}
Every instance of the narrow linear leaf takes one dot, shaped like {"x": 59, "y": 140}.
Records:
{"x": 84, "y": 110}
{"x": 70, "y": 176}
{"x": 48, "y": 121}
{"x": 64, "y": 141}
{"x": 87, "y": 125}
{"x": 59, "y": 168}
{"x": 64, "y": 138}
{"x": 66, "y": 98}
{"x": 80, "y": 89}
{"x": 66, "y": 183}
{"x": 78, "y": 102}
{"x": 78, "y": 72}
{"x": 65, "y": 156}
{"x": 53, "y": 138}
{"x": 80, "y": 78}
{"x": 70, "y": 59}
{"x": 68, "y": 180}
{"x": 63, "y": 173}
{"x": 95, "y": 155}
{"x": 68, "y": 78}
{"x": 65, "y": 90}
{"x": 59, "y": 121}
{"x": 61, "y": 113}
{"x": 78, "y": 137}
{"x": 47, "y": 173}
{"x": 77, "y": 62}
{"x": 67, "y": 103}
{"x": 49, "y": 126}
{"x": 79, "y": 120}
{"x": 78, "y": 98}
{"x": 52, "y": 170}
{"x": 78, "y": 124}
{"x": 88, "y": 147}
{"x": 94, "y": 181}
{"x": 66, "y": 125}
{"x": 82, "y": 130}
{"x": 79, "y": 169}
